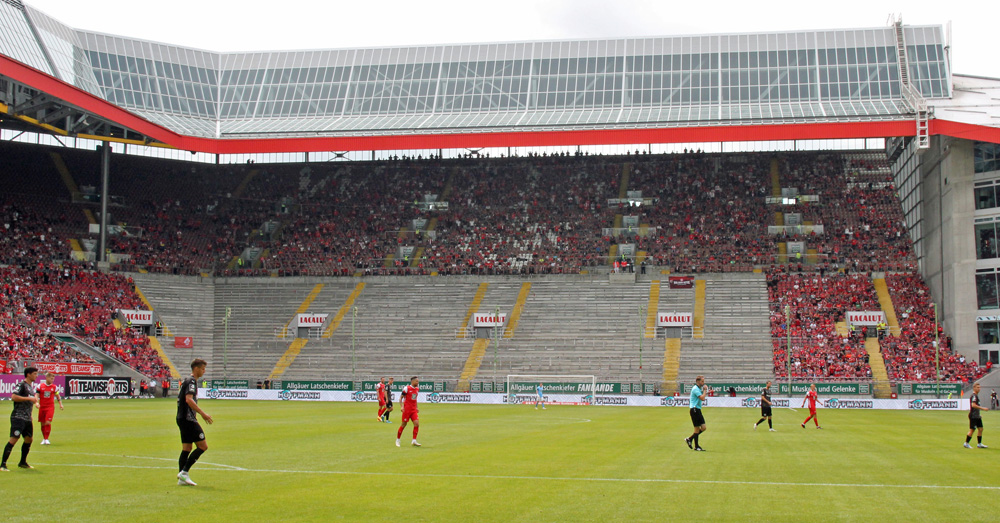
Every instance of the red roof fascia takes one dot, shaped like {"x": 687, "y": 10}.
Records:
{"x": 731, "y": 133}
{"x": 965, "y": 131}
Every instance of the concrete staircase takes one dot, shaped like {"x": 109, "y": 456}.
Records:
{"x": 737, "y": 339}
{"x": 673, "y": 300}
{"x": 880, "y": 376}
{"x": 583, "y": 328}
{"x": 409, "y": 326}
{"x": 404, "y": 327}
{"x": 258, "y": 309}
{"x": 112, "y": 366}
{"x": 185, "y": 307}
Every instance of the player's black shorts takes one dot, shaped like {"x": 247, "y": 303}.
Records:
{"x": 975, "y": 423}
{"x": 388, "y": 404}
{"x": 20, "y": 428}
{"x": 697, "y": 418}
{"x": 191, "y": 431}
{"x": 765, "y": 410}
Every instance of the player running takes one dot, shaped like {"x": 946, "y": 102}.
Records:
{"x": 380, "y": 389}
{"x": 540, "y": 396}
{"x": 975, "y": 419}
{"x": 697, "y": 399}
{"x": 409, "y": 397}
{"x": 187, "y": 422}
{"x": 47, "y": 394}
{"x": 765, "y": 408}
{"x": 388, "y": 400}
{"x": 811, "y": 397}
{"x": 20, "y": 420}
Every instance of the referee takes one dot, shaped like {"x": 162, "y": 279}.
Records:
{"x": 765, "y": 408}
{"x": 697, "y": 399}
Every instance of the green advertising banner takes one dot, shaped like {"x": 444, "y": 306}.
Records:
{"x": 229, "y": 384}
{"x": 929, "y": 388}
{"x": 518, "y": 387}
{"x": 742, "y": 389}
{"x": 827, "y": 388}
{"x": 425, "y": 386}
{"x": 313, "y": 385}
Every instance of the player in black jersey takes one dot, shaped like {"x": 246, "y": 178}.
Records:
{"x": 187, "y": 422}
{"x": 975, "y": 418}
{"x": 388, "y": 400}
{"x": 765, "y": 408}
{"x": 20, "y": 419}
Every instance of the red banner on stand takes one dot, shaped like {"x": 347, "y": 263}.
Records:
{"x": 681, "y": 282}
{"x": 88, "y": 369}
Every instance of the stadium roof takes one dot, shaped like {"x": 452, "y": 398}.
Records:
{"x": 853, "y": 83}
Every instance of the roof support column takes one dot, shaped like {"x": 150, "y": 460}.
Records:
{"x": 105, "y": 172}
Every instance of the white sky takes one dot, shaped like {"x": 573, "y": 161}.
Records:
{"x": 247, "y": 25}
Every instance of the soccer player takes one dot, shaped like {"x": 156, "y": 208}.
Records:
{"x": 47, "y": 394}
{"x": 409, "y": 397}
{"x": 994, "y": 403}
{"x": 187, "y": 422}
{"x": 20, "y": 420}
{"x": 765, "y": 408}
{"x": 380, "y": 389}
{"x": 811, "y": 397}
{"x": 975, "y": 418}
{"x": 540, "y": 396}
{"x": 697, "y": 399}
{"x": 388, "y": 400}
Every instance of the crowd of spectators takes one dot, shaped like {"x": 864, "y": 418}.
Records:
{"x": 816, "y": 304}
{"x": 863, "y": 228}
{"x": 709, "y": 214}
{"x": 525, "y": 216}
{"x": 48, "y": 299}
{"x": 911, "y": 355}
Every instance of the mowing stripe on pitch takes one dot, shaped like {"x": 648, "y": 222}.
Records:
{"x": 544, "y": 478}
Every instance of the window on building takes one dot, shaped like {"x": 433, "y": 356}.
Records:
{"x": 986, "y": 241}
{"x": 989, "y": 333}
{"x": 986, "y": 197}
{"x": 986, "y": 290}
{"x": 986, "y": 157}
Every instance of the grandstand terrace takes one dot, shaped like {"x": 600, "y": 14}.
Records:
{"x": 551, "y": 215}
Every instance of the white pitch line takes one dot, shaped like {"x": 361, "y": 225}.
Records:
{"x": 138, "y": 457}
{"x": 551, "y": 478}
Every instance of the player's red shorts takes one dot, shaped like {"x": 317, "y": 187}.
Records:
{"x": 407, "y": 416}
{"x": 45, "y": 414}
{"x": 812, "y": 411}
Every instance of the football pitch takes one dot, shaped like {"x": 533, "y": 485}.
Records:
{"x": 117, "y": 460}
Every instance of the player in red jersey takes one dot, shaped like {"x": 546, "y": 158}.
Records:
{"x": 409, "y": 397}
{"x": 47, "y": 394}
{"x": 811, "y": 397}
{"x": 380, "y": 389}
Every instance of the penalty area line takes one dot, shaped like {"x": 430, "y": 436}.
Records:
{"x": 545, "y": 478}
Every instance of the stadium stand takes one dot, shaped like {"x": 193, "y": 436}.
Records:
{"x": 50, "y": 299}
{"x": 816, "y": 305}
{"x": 911, "y": 356}
{"x": 530, "y": 216}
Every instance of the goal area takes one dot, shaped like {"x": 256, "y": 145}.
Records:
{"x": 556, "y": 389}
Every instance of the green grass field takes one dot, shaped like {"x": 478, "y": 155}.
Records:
{"x": 116, "y": 460}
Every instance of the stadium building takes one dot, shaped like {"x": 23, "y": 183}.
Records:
{"x": 889, "y": 91}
